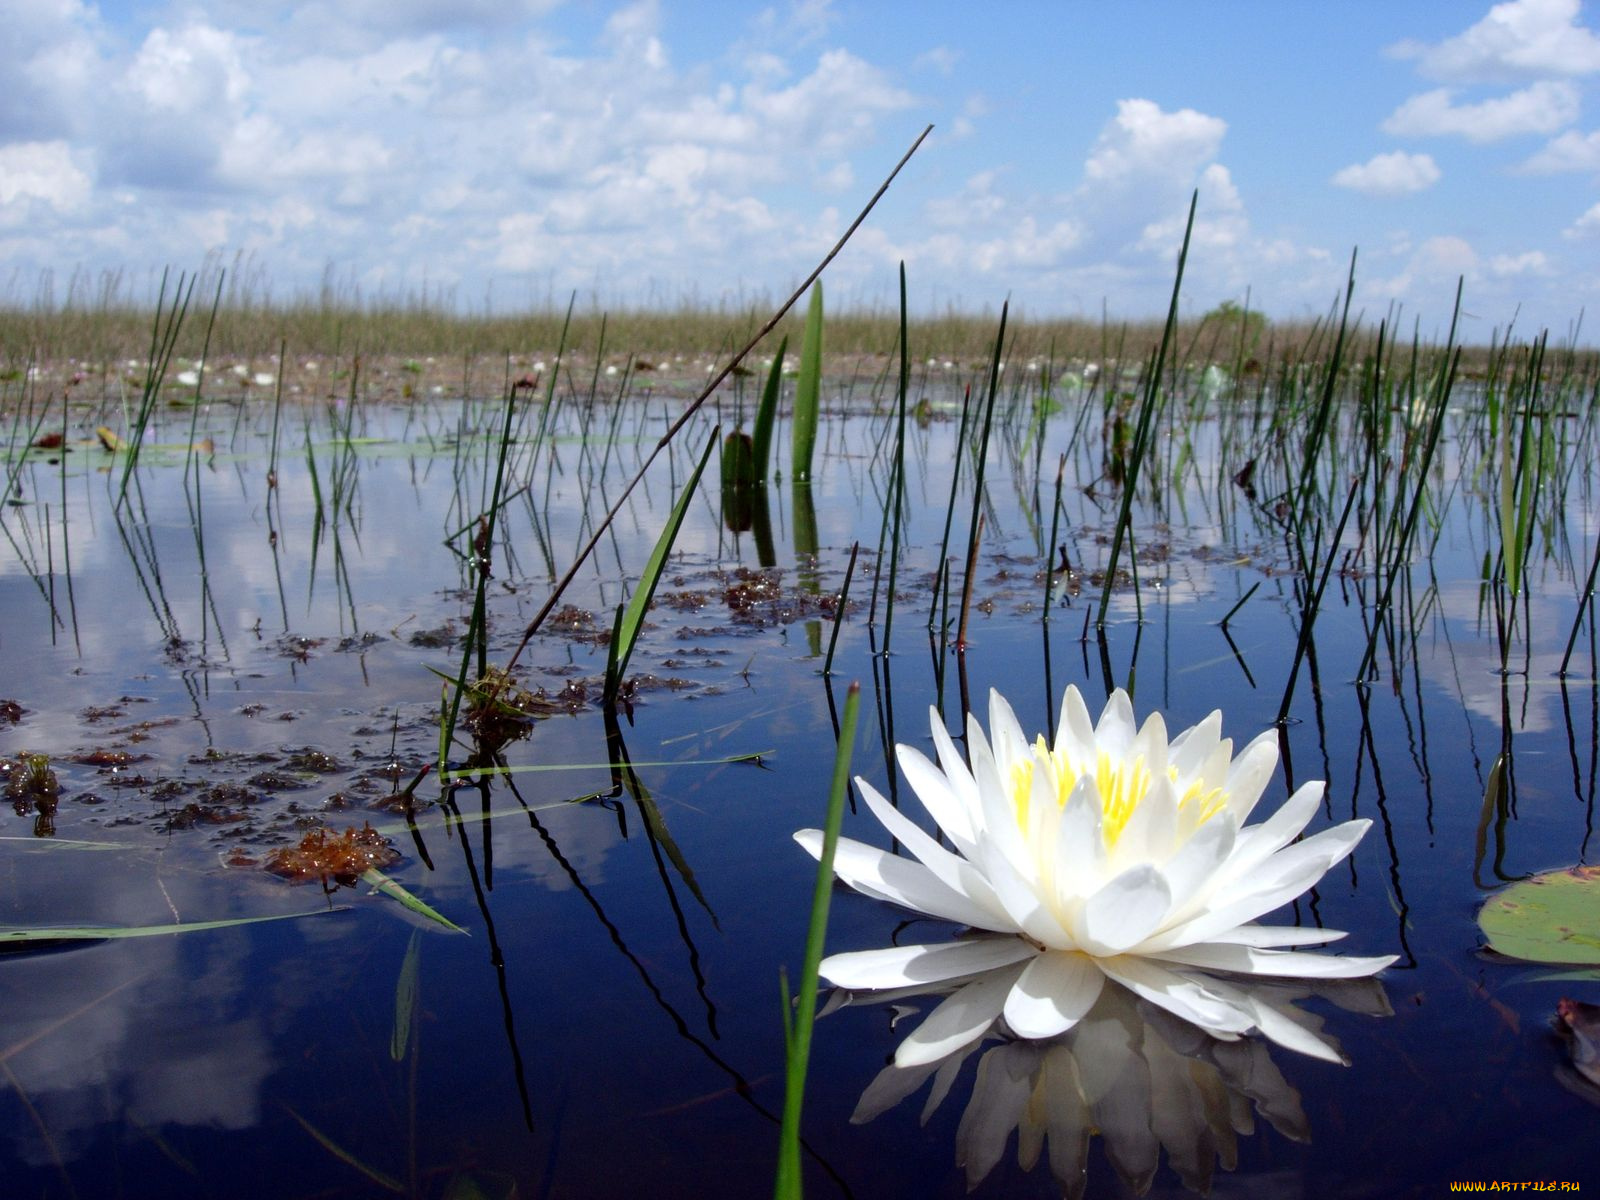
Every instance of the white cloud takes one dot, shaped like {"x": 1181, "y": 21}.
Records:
{"x": 42, "y": 171}
{"x": 1570, "y": 151}
{"x": 1530, "y": 262}
{"x": 1524, "y": 39}
{"x": 1541, "y": 107}
{"x": 1395, "y": 174}
{"x": 1431, "y": 270}
{"x": 1144, "y": 140}
{"x": 1586, "y": 226}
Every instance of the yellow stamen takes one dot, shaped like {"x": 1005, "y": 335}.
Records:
{"x": 1122, "y": 785}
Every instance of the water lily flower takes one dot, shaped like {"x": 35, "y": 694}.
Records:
{"x": 1112, "y": 854}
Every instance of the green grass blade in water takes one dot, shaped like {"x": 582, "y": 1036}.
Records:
{"x": 799, "y": 1033}
{"x": 808, "y": 390}
{"x": 39, "y": 938}
{"x": 381, "y": 882}
{"x": 639, "y": 603}
{"x": 767, "y": 415}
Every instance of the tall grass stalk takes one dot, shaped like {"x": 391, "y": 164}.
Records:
{"x": 1050, "y": 547}
{"x": 1585, "y": 602}
{"x": 767, "y": 415}
{"x": 163, "y": 338}
{"x": 897, "y": 485}
{"x": 1313, "y": 601}
{"x": 797, "y": 1027}
{"x": 975, "y": 529}
{"x": 1147, "y": 412}
{"x": 839, "y": 610}
{"x": 942, "y": 575}
{"x": 1445, "y": 380}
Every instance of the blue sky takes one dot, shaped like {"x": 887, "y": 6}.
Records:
{"x": 510, "y": 151}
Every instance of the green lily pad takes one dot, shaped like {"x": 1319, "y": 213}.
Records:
{"x": 1550, "y": 918}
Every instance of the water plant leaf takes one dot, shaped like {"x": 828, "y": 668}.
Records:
{"x": 377, "y": 880}
{"x": 738, "y": 461}
{"x": 632, "y": 618}
{"x": 1550, "y": 918}
{"x": 808, "y": 390}
{"x": 767, "y": 414}
{"x": 40, "y": 937}
{"x": 798, "y": 1027}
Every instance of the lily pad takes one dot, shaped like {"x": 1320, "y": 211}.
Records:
{"x": 1550, "y": 918}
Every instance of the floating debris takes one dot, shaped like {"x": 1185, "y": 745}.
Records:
{"x": 342, "y": 857}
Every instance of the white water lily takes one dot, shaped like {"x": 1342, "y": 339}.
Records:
{"x": 1111, "y": 854}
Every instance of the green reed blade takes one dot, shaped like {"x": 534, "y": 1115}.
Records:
{"x": 632, "y": 619}
{"x": 799, "y": 1039}
{"x": 897, "y": 489}
{"x": 767, "y": 415}
{"x": 949, "y": 514}
{"x": 808, "y": 391}
{"x": 1147, "y": 412}
{"x": 838, "y": 612}
{"x": 975, "y": 529}
{"x": 377, "y": 880}
{"x": 38, "y": 937}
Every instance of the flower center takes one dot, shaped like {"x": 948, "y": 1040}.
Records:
{"x": 1122, "y": 784}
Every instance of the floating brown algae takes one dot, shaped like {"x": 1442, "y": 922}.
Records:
{"x": 323, "y": 854}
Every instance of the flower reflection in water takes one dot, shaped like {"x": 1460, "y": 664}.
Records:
{"x": 1145, "y": 1080}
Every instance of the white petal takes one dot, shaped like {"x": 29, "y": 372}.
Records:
{"x": 1080, "y": 843}
{"x": 1053, "y": 994}
{"x": 961, "y": 1018}
{"x": 953, "y": 764}
{"x": 1257, "y": 843}
{"x": 1074, "y": 731}
{"x": 1281, "y": 1027}
{"x": 1126, "y": 910}
{"x": 1151, "y": 744}
{"x": 1264, "y": 936}
{"x": 1180, "y": 995}
{"x": 1114, "y": 734}
{"x": 1006, "y": 738}
{"x": 905, "y": 966}
{"x": 942, "y": 800}
{"x": 909, "y": 884}
{"x": 955, "y": 872}
{"x": 1248, "y": 960}
{"x": 1277, "y": 881}
{"x": 1191, "y": 748}
{"x": 1189, "y": 871}
{"x": 1249, "y": 775}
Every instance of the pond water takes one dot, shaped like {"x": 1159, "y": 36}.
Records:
{"x": 215, "y": 666}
